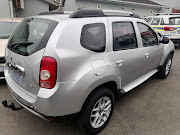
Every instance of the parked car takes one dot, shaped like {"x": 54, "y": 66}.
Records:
{"x": 167, "y": 25}
{"x": 148, "y": 19}
{"x": 6, "y": 28}
{"x": 60, "y": 64}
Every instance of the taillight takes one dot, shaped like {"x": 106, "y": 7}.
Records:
{"x": 169, "y": 28}
{"x": 48, "y": 72}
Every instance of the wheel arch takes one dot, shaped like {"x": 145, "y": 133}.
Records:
{"x": 168, "y": 49}
{"x": 111, "y": 85}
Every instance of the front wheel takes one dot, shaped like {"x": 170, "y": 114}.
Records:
{"x": 165, "y": 69}
{"x": 96, "y": 111}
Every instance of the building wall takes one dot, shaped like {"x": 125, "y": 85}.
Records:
{"x": 32, "y": 8}
{"x": 72, "y": 5}
{"x": 4, "y": 9}
{"x": 169, "y": 3}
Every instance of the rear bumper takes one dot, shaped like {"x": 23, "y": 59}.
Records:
{"x": 64, "y": 99}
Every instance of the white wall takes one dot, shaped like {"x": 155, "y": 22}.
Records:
{"x": 32, "y": 8}
{"x": 4, "y": 9}
{"x": 169, "y": 3}
{"x": 72, "y": 5}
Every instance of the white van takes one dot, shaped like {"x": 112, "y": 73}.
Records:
{"x": 7, "y": 25}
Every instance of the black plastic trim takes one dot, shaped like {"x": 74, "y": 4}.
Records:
{"x": 52, "y": 13}
{"x": 97, "y": 13}
{"x": 87, "y": 13}
{"x": 2, "y": 60}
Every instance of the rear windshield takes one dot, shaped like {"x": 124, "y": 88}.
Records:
{"x": 31, "y": 35}
{"x": 174, "y": 21}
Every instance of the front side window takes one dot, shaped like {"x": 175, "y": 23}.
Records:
{"x": 123, "y": 36}
{"x": 155, "y": 21}
{"x": 149, "y": 37}
{"x": 31, "y": 35}
{"x": 93, "y": 37}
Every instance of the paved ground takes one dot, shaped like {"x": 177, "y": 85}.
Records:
{"x": 152, "y": 108}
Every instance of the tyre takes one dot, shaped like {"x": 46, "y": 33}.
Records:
{"x": 165, "y": 69}
{"x": 96, "y": 111}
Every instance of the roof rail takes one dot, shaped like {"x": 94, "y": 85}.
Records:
{"x": 51, "y": 13}
{"x": 102, "y": 13}
{"x": 87, "y": 13}
{"x": 156, "y": 14}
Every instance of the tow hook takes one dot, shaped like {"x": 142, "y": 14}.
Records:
{"x": 9, "y": 104}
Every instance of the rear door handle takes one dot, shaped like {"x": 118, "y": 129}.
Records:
{"x": 120, "y": 62}
{"x": 147, "y": 55}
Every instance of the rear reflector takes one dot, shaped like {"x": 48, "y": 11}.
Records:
{"x": 169, "y": 28}
{"x": 48, "y": 72}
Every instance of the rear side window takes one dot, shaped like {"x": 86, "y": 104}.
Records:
{"x": 149, "y": 37}
{"x": 93, "y": 37}
{"x": 174, "y": 21}
{"x": 123, "y": 36}
{"x": 31, "y": 35}
{"x": 155, "y": 21}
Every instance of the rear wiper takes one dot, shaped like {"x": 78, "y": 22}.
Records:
{"x": 21, "y": 44}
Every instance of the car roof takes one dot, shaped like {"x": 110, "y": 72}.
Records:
{"x": 166, "y": 16}
{"x": 57, "y": 18}
{"x": 65, "y": 17}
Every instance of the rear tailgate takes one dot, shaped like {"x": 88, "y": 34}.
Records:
{"x": 25, "y": 50}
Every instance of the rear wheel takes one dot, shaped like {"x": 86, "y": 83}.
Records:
{"x": 165, "y": 69}
{"x": 96, "y": 111}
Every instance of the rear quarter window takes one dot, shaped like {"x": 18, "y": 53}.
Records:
{"x": 93, "y": 37}
{"x": 174, "y": 21}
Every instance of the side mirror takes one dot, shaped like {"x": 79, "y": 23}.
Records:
{"x": 165, "y": 40}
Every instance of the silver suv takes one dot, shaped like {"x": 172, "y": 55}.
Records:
{"x": 58, "y": 65}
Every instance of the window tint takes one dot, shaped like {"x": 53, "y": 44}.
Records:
{"x": 149, "y": 37}
{"x": 93, "y": 37}
{"x": 123, "y": 36}
{"x": 174, "y": 21}
{"x": 155, "y": 21}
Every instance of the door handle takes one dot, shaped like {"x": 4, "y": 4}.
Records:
{"x": 147, "y": 55}
{"x": 120, "y": 62}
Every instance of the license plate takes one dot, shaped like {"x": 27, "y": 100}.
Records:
{"x": 17, "y": 76}
{"x": 1, "y": 68}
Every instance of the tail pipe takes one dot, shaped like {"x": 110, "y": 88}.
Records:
{"x": 10, "y": 105}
